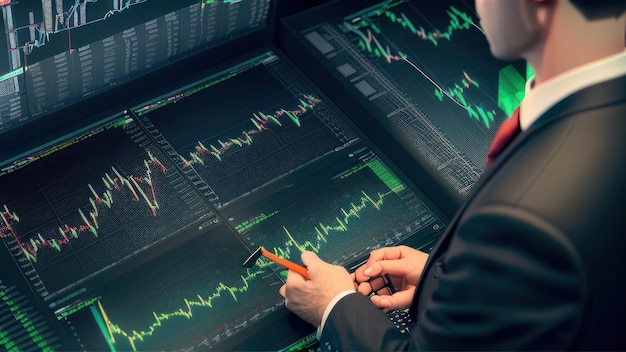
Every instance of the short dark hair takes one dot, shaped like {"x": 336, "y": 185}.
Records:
{"x": 597, "y": 9}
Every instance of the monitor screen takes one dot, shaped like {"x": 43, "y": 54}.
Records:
{"x": 130, "y": 233}
{"x": 58, "y": 52}
{"x": 424, "y": 72}
{"x": 82, "y": 210}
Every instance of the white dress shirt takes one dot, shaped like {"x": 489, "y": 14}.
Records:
{"x": 539, "y": 99}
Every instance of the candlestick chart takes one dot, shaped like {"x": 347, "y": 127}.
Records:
{"x": 426, "y": 69}
{"x": 62, "y": 51}
{"x": 112, "y": 181}
{"x": 202, "y": 295}
{"x": 341, "y": 217}
{"x": 83, "y": 208}
{"x": 248, "y": 129}
{"x": 378, "y": 42}
{"x": 33, "y": 25}
{"x": 128, "y": 232}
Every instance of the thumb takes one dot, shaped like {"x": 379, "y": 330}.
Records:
{"x": 400, "y": 300}
{"x": 392, "y": 267}
{"x": 373, "y": 270}
{"x": 309, "y": 258}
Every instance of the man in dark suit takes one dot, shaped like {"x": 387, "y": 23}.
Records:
{"x": 532, "y": 261}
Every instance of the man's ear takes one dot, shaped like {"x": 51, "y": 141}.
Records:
{"x": 545, "y": 10}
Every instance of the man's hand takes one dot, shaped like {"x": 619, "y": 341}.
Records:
{"x": 404, "y": 265}
{"x": 309, "y": 298}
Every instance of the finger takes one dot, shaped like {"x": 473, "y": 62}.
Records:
{"x": 365, "y": 288}
{"x": 294, "y": 279}
{"x": 359, "y": 276}
{"x": 356, "y": 283}
{"x": 399, "y": 300}
{"x": 391, "y": 267}
{"x": 382, "y": 255}
{"x": 283, "y": 290}
{"x": 373, "y": 270}
{"x": 386, "y": 253}
{"x": 377, "y": 255}
{"x": 309, "y": 258}
{"x": 382, "y": 303}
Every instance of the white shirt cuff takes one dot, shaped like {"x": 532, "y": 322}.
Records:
{"x": 329, "y": 308}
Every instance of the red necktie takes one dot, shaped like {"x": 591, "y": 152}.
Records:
{"x": 507, "y": 131}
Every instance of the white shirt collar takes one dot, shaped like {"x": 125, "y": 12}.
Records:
{"x": 539, "y": 99}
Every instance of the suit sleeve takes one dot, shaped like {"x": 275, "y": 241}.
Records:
{"x": 355, "y": 324}
{"x": 508, "y": 281}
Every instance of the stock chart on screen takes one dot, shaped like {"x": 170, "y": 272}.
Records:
{"x": 127, "y": 230}
{"x": 247, "y": 126}
{"x": 80, "y": 207}
{"x": 58, "y": 52}
{"x": 425, "y": 68}
{"x": 80, "y": 211}
{"x": 132, "y": 231}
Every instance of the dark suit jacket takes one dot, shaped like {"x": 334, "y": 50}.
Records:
{"x": 534, "y": 259}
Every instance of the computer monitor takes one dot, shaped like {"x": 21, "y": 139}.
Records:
{"x": 65, "y": 59}
{"x": 418, "y": 71}
{"x": 130, "y": 231}
{"x": 149, "y": 147}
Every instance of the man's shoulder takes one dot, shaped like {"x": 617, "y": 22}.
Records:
{"x": 598, "y": 98}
